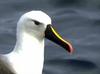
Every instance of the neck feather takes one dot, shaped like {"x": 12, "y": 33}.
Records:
{"x": 28, "y": 55}
{"x": 27, "y": 42}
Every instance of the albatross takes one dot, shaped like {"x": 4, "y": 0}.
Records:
{"x": 27, "y": 56}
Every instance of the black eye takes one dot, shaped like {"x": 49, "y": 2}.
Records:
{"x": 36, "y": 22}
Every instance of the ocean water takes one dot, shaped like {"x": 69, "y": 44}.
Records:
{"x": 76, "y": 20}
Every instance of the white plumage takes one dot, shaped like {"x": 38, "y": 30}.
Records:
{"x": 28, "y": 54}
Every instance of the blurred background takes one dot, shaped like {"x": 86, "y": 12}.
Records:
{"x": 76, "y": 20}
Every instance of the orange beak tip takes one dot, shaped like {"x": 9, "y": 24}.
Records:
{"x": 71, "y": 50}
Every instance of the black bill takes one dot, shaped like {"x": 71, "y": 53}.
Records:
{"x": 52, "y": 35}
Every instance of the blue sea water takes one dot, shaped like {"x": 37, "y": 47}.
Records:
{"x": 76, "y": 20}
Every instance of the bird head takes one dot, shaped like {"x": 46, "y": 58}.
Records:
{"x": 38, "y": 24}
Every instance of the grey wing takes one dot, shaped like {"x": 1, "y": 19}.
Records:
{"x": 4, "y": 66}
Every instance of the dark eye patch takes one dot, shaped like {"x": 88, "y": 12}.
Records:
{"x": 36, "y": 22}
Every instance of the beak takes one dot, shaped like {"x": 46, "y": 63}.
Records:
{"x": 52, "y": 35}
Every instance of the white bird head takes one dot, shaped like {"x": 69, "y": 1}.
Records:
{"x": 38, "y": 24}
{"x": 34, "y": 22}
